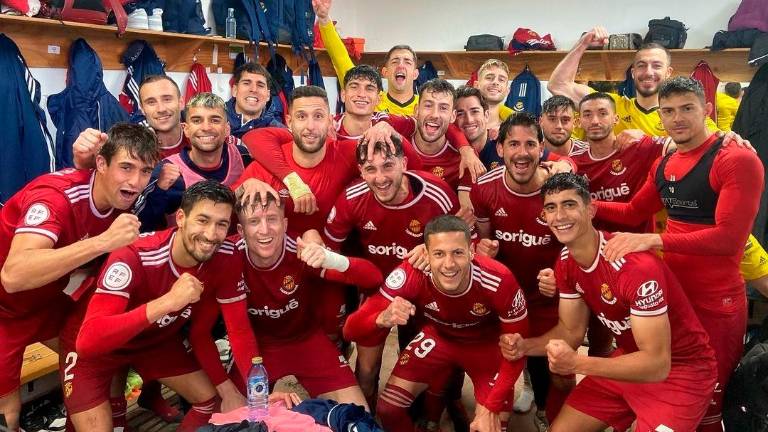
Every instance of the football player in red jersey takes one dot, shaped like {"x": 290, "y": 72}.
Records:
{"x": 55, "y": 225}
{"x": 557, "y": 122}
{"x": 388, "y": 209}
{"x": 462, "y": 302}
{"x": 160, "y": 100}
{"x": 663, "y": 373}
{"x": 510, "y": 224}
{"x": 280, "y": 274}
{"x": 146, "y": 292}
{"x": 614, "y": 174}
{"x": 708, "y": 189}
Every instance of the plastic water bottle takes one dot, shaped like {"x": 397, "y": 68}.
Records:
{"x": 258, "y": 391}
{"x": 231, "y": 32}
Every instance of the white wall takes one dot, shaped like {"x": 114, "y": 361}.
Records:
{"x": 444, "y": 25}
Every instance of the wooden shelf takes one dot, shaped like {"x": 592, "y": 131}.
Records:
{"x": 37, "y": 37}
{"x": 597, "y": 65}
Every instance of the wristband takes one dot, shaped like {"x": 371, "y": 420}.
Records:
{"x": 296, "y": 186}
{"x": 334, "y": 261}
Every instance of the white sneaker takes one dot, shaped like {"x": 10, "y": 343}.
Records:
{"x": 138, "y": 19}
{"x": 524, "y": 402}
{"x": 156, "y": 20}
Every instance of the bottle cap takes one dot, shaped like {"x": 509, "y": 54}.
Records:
{"x": 257, "y": 360}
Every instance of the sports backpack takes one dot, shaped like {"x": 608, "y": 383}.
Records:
{"x": 666, "y": 32}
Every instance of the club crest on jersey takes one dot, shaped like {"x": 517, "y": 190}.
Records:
{"x": 289, "y": 285}
{"x": 284, "y": 193}
{"x": 68, "y": 389}
{"x": 541, "y": 219}
{"x": 37, "y": 214}
{"x": 518, "y": 305}
{"x": 606, "y": 294}
{"x": 479, "y": 309}
{"x": 660, "y": 126}
{"x": 414, "y": 228}
{"x": 117, "y": 276}
{"x": 404, "y": 357}
{"x": 617, "y": 168}
{"x": 518, "y": 106}
{"x": 438, "y": 171}
{"x": 396, "y": 279}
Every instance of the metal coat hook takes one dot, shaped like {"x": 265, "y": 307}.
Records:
{"x": 194, "y": 56}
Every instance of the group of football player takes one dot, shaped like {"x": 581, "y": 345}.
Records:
{"x": 493, "y": 240}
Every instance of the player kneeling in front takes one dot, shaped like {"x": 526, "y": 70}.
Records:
{"x": 663, "y": 373}
{"x": 464, "y": 301}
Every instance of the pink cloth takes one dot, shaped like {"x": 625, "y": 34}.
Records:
{"x": 280, "y": 418}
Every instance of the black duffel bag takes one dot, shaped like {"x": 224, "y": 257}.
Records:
{"x": 484, "y": 42}
{"x": 666, "y": 32}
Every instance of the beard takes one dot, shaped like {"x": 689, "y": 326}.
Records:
{"x": 307, "y": 148}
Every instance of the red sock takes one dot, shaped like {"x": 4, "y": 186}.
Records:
{"x": 119, "y": 408}
{"x": 197, "y": 416}
{"x": 392, "y": 409}
{"x": 151, "y": 398}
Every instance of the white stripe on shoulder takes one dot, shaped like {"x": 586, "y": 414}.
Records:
{"x": 290, "y": 244}
{"x": 491, "y": 175}
{"x": 156, "y": 262}
{"x": 75, "y": 189}
{"x": 439, "y": 197}
{"x": 351, "y": 194}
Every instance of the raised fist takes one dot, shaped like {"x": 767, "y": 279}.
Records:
{"x": 186, "y": 290}
{"x": 169, "y": 173}
{"x": 123, "y": 231}
{"x": 397, "y": 313}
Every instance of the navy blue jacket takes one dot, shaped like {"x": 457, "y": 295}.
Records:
{"x": 270, "y": 117}
{"x": 85, "y": 103}
{"x": 27, "y": 148}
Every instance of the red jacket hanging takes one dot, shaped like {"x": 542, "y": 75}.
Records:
{"x": 709, "y": 81}
{"x": 197, "y": 82}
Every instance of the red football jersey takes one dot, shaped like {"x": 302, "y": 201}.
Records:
{"x": 389, "y": 232}
{"x": 443, "y": 164}
{"x": 402, "y": 124}
{"x": 492, "y": 296}
{"x": 327, "y": 181}
{"x": 526, "y": 244}
{"x": 175, "y": 148}
{"x": 280, "y": 296}
{"x": 618, "y": 176}
{"x": 58, "y": 206}
{"x": 639, "y": 284}
{"x": 144, "y": 271}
